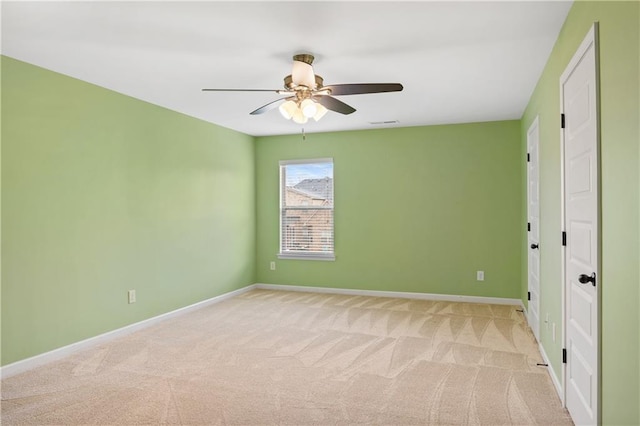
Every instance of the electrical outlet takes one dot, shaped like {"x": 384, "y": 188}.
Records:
{"x": 480, "y": 275}
{"x": 132, "y": 296}
{"x": 272, "y": 266}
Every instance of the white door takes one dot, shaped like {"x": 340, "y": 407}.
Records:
{"x": 533, "y": 228}
{"x": 579, "y": 103}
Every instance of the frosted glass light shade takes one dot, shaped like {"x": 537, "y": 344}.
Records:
{"x": 287, "y": 109}
{"x": 299, "y": 117}
{"x": 308, "y": 108}
{"x": 302, "y": 75}
{"x": 320, "y": 112}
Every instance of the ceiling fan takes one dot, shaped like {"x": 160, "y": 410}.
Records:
{"x": 307, "y": 97}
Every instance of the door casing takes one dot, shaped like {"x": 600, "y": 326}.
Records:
{"x": 533, "y": 231}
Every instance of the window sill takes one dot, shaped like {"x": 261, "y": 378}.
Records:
{"x": 307, "y": 256}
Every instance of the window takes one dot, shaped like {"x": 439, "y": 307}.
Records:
{"x": 306, "y": 209}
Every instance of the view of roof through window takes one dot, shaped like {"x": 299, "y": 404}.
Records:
{"x": 314, "y": 180}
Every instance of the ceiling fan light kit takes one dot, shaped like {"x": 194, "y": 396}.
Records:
{"x": 307, "y": 97}
{"x": 301, "y": 112}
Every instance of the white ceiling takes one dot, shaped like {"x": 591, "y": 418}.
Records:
{"x": 458, "y": 61}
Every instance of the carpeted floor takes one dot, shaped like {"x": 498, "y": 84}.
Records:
{"x": 276, "y": 357}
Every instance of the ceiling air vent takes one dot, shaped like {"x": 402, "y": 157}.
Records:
{"x": 377, "y": 123}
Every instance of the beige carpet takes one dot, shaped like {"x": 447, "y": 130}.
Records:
{"x": 275, "y": 357}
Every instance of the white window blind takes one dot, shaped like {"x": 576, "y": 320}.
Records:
{"x": 306, "y": 209}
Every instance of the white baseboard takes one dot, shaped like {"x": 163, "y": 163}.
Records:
{"x": 56, "y": 354}
{"x": 554, "y": 378}
{"x": 398, "y": 294}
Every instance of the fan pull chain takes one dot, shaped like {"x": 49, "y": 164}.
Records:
{"x": 304, "y": 136}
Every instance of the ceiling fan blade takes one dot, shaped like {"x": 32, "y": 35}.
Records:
{"x": 242, "y": 90}
{"x": 269, "y": 106}
{"x": 333, "y": 104}
{"x": 362, "y": 88}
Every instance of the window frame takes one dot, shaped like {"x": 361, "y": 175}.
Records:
{"x": 327, "y": 256}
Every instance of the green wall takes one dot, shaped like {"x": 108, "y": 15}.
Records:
{"x": 102, "y": 193}
{"x": 620, "y": 162}
{"x": 417, "y": 209}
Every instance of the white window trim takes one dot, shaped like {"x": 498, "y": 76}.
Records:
{"x": 307, "y": 256}
{"x": 282, "y": 185}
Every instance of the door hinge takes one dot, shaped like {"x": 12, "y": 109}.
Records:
{"x": 528, "y": 226}
{"x": 562, "y": 121}
{"x": 564, "y": 238}
{"x": 528, "y": 295}
{"x": 564, "y": 356}
{"x": 528, "y": 157}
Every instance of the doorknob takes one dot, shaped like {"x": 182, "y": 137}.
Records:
{"x": 534, "y": 246}
{"x": 587, "y": 279}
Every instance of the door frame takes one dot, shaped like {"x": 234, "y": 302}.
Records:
{"x": 535, "y": 124}
{"x": 591, "y": 38}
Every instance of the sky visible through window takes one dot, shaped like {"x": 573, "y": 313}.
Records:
{"x": 299, "y": 172}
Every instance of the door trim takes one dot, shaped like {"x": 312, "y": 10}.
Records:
{"x": 535, "y": 124}
{"x": 591, "y": 38}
